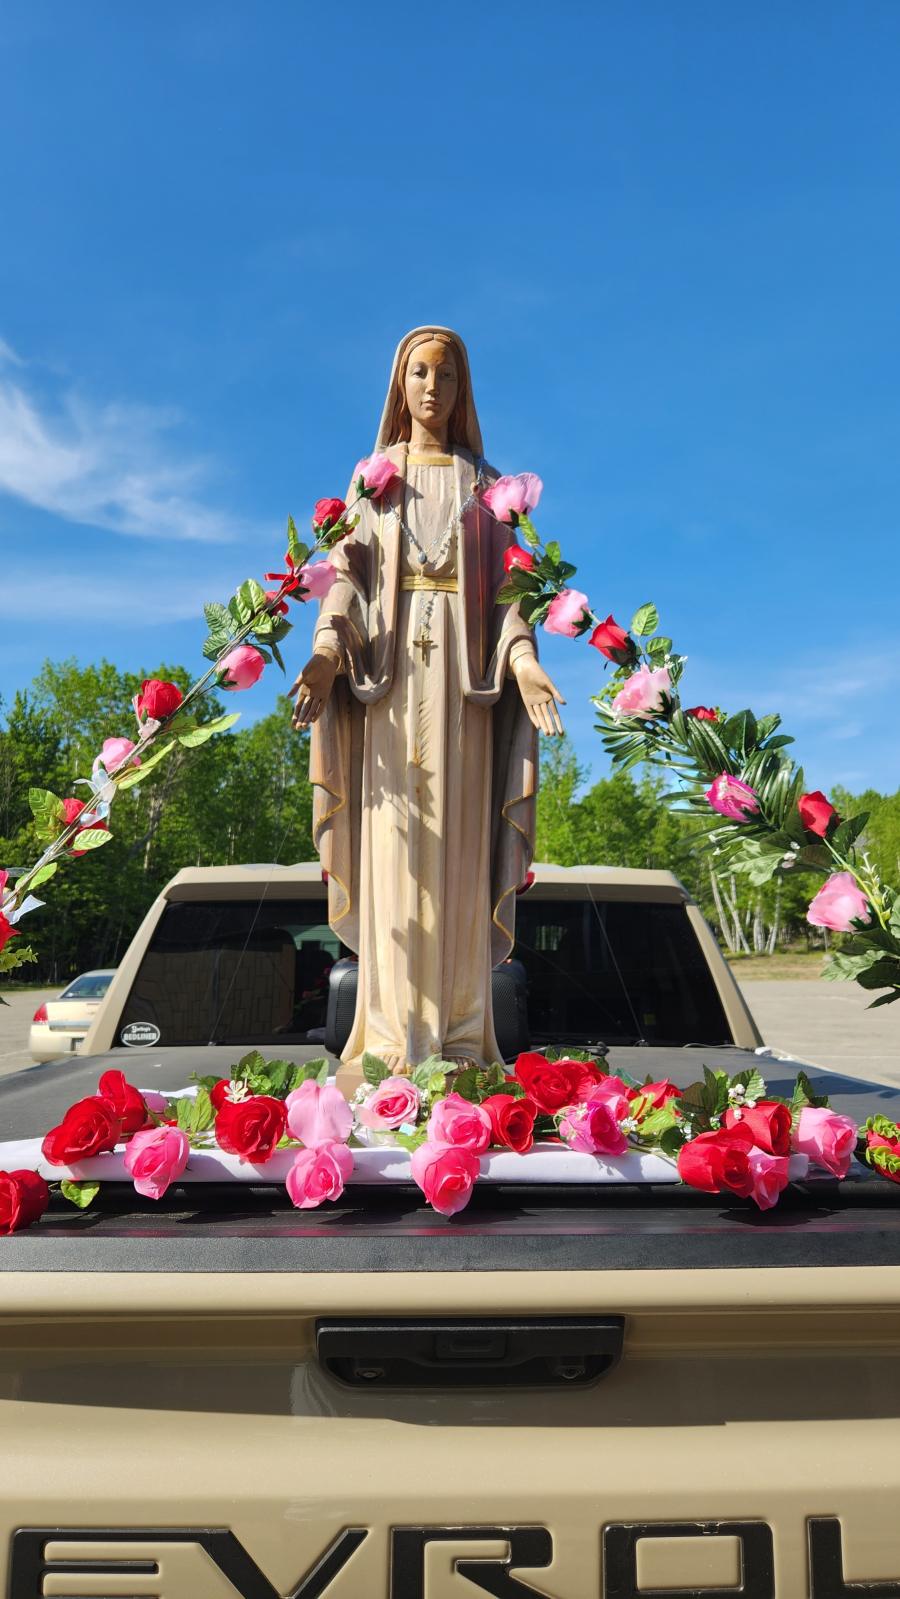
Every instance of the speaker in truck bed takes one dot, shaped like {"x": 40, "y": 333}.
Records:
{"x": 507, "y": 994}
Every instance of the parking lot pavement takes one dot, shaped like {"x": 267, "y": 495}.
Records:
{"x": 15, "y": 1021}
{"x": 827, "y": 1024}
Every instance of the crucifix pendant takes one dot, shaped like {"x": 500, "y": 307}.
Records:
{"x": 424, "y": 643}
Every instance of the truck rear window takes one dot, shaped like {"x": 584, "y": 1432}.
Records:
{"x": 236, "y": 971}
{"x": 615, "y": 972}
{"x": 612, "y": 972}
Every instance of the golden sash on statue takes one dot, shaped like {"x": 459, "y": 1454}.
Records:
{"x": 422, "y": 583}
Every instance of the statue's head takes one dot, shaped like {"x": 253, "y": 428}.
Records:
{"x": 431, "y": 387}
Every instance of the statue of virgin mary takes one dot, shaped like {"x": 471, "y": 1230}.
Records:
{"x": 426, "y": 699}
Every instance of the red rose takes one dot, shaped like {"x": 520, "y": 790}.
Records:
{"x": 251, "y": 1128}
{"x": 326, "y": 514}
{"x": 88, "y": 1127}
{"x": 815, "y": 812}
{"x": 714, "y": 1161}
{"x": 10, "y": 1204}
{"x": 157, "y": 699}
{"x": 73, "y": 808}
{"x": 516, "y": 556}
{"x": 702, "y": 713}
{"x": 126, "y": 1102}
{"x": 219, "y": 1093}
{"x": 7, "y": 931}
{"x": 769, "y": 1123}
{"x": 24, "y": 1196}
{"x": 281, "y": 609}
{"x": 512, "y": 1121}
{"x": 553, "y": 1084}
{"x": 658, "y": 1094}
{"x": 612, "y": 641}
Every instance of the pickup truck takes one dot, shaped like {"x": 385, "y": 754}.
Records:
{"x": 572, "y": 1391}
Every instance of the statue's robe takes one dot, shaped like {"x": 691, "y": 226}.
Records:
{"x": 424, "y": 764}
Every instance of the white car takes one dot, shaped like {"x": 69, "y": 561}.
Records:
{"x": 59, "y": 1027}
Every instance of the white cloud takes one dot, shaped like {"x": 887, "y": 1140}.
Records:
{"x": 109, "y": 467}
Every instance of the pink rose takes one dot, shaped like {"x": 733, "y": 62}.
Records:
{"x": 155, "y": 1102}
{"x": 642, "y": 694}
{"x": 614, "y": 1093}
{"x": 319, "y": 1174}
{"x": 456, "y": 1121}
{"x": 241, "y": 667}
{"x": 155, "y": 1158}
{"x": 593, "y": 1128}
{"x": 513, "y": 494}
{"x": 828, "y": 1139}
{"x": 394, "y": 1102}
{"x": 566, "y": 613}
{"x": 318, "y": 1114}
{"x": 732, "y": 798}
{"x": 114, "y": 754}
{"x": 445, "y": 1175}
{"x": 840, "y": 904}
{"x": 375, "y": 473}
{"x": 317, "y": 578}
{"x": 769, "y": 1174}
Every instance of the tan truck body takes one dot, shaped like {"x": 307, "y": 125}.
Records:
{"x": 169, "y": 1430}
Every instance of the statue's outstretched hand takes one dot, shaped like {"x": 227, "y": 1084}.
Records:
{"x": 538, "y": 694}
{"x": 312, "y": 689}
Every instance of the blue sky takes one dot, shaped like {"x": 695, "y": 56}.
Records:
{"x": 667, "y": 229}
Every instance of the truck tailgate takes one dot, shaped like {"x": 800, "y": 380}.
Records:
{"x": 169, "y": 1429}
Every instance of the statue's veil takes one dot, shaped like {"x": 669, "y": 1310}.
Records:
{"x": 421, "y": 336}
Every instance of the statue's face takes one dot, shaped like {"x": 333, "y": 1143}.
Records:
{"x": 432, "y": 384}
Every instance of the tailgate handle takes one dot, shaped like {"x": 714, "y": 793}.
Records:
{"x": 513, "y": 1352}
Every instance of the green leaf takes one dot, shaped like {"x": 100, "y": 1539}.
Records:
{"x": 466, "y": 1085}
{"x": 276, "y": 654}
{"x": 248, "y": 1065}
{"x": 645, "y": 620}
{"x": 48, "y": 811}
{"x": 218, "y": 619}
{"x": 294, "y": 545}
{"x": 80, "y": 1194}
{"x": 91, "y": 838}
{"x": 507, "y": 594}
{"x": 552, "y": 552}
{"x": 884, "y": 999}
{"x": 529, "y": 531}
{"x": 412, "y": 1142}
{"x": 739, "y": 733}
{"x": 183, "y": 1110}
{"x": 846, "y": 835}
{"x": 843, "y": 967}
{"x": 751, "y": 1081}
{"x": 199, "y": 735}
{"x": 215, "y": 644}
{"x": 138, "y": 773}
{"x": 312, "y": 1071}
{"x": 672, "y": 1140}
{"x": 278, "y": 1071}
{"x": 881, "y": 974}
{"x": 655, "y": 1123}
{"x": 251, "y": 596}
{"x": 659, "y": 648}
{"x": 805, "y": 1094}
{"x": 374, "y": 1068}
{"x": 202, "y": 1113}
{"x": 43, "y": 875}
